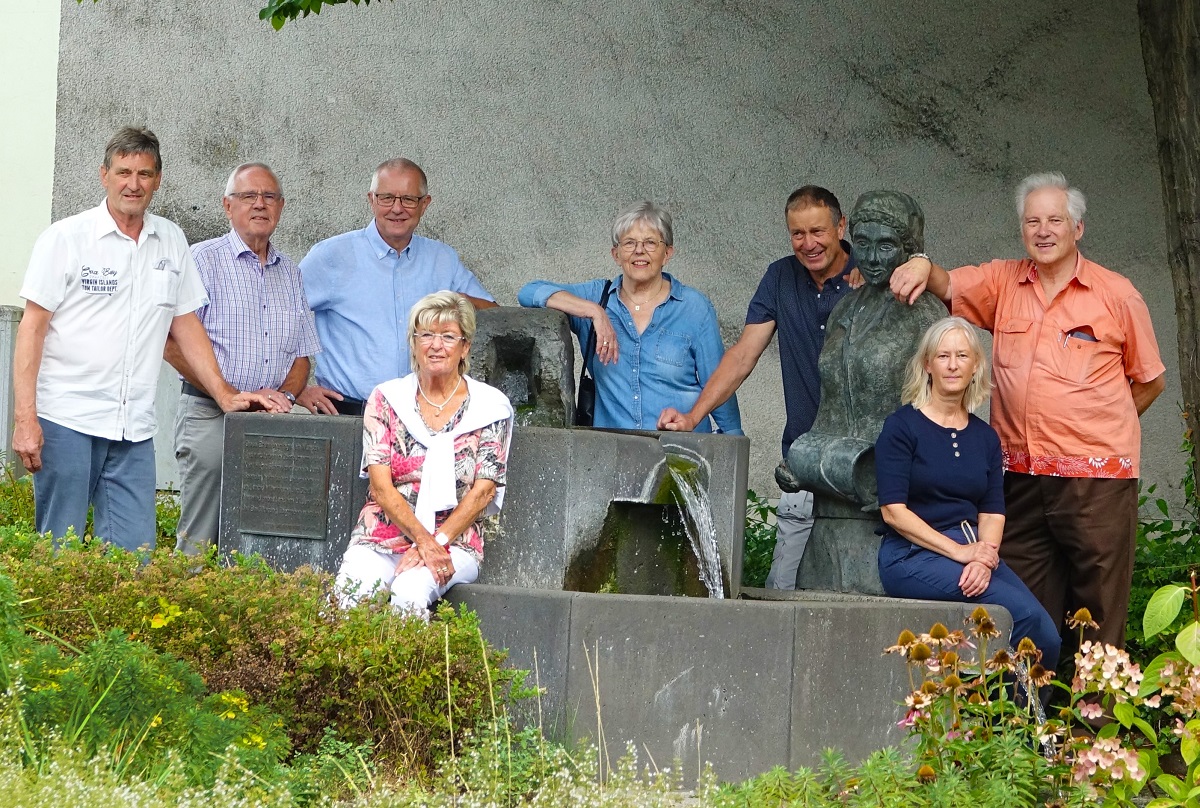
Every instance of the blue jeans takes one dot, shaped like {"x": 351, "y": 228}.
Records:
{"x": 908, "y": 570}
{"x": 115, "y": 476}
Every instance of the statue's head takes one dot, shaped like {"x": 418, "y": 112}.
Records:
{"x": 886, "y": 228}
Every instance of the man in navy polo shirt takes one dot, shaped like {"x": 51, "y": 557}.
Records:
{"x": 794, "y": 297}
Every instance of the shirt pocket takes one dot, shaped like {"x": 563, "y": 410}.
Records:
{"x": 1081, "y": 358}
{"x": 1013, "y": 345}
{"x": 165, "y": 278}
{"x": 673, "y": 348}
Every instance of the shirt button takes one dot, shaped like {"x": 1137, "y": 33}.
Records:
{"x": 822, "y": 328}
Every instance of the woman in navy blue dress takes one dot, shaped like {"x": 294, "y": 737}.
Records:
{"x": 941, "y": 485}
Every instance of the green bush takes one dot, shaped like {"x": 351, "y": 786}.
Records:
{"x": 759, "y": 544}
{"x": 277, "y": 637}
{"x": 147, "y": 713}
{"x": 1168, "y": 549}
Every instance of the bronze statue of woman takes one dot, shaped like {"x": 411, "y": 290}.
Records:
{"x": 869, "y": 339}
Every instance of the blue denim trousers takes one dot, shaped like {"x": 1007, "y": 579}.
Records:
{"x": 908, "y": 570}
{"x": 116, "y": 477}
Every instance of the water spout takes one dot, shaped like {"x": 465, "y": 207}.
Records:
{"x": 696, "y": 509}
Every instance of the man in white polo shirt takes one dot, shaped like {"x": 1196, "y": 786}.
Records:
{"x": 103, "y": 290}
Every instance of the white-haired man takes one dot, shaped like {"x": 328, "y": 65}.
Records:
{"x": 262, "y": 333}
{"x": 1075, "y": 364}
{"x": 362, "y": 284}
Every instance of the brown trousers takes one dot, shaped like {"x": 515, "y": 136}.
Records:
{"x": 1072, "y": 540}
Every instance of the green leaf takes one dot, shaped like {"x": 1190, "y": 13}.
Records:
{"x": 1148, "y": 760}
{"x": 1146, "y": 729}
{"x": 1152, "y": 675}
{"x": 1123, "y": 712}
{"x": 1162, "y": 506}
{"x": 1170, "y": 784}
{"x": 1163, "y": 608}
{"x": 1189, "y": 747}
{"x": 1108, "y": 731}
{"x": 1188, "y": 642}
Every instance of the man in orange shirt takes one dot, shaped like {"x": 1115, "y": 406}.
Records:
{"x": 1075, "y": 364}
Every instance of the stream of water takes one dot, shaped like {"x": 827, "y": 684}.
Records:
{"x": 696, "y": 510}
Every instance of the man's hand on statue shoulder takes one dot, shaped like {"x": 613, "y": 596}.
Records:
{"x": 910, "y": 279}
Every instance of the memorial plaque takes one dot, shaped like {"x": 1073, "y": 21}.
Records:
{"x": 284, "y": 486}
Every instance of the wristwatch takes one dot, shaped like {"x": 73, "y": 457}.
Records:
{"x": 291, "y": 398}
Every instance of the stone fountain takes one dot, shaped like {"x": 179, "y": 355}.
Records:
{"x": 585, "y": 581}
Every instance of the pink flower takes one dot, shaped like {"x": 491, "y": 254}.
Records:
{"x": 1090, "y": 710}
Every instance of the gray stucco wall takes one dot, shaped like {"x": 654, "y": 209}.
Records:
{"x": 537, "y": 121}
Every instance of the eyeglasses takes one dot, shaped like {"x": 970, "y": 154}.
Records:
{"x": 449, "y": 340}
{"x": 248, "y": 197}
{"x": 650, "y": 245}
{"x": 387, "y": 200}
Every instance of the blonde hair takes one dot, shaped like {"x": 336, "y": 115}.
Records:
{"x": 437, "y": 309}
{"x": 917, "y": 381}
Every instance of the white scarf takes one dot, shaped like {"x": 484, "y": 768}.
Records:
{"x": 438, "y": 482}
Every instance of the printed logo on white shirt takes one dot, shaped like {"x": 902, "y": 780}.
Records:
{"x": 98, "y": 281}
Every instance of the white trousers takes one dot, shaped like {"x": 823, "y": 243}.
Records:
{"x": 366, "y": 570}
{"x": 794, "y": 521}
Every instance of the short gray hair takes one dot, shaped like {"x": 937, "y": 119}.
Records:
{"x": 645, "y": 211}
{"x": 436, "y": 309}
{"x": 246, "y": 167}
{"x": 133, "y": 140}
{"x": 399, "y": 164}
{"x": 917, "y": 381}
{"x": 1076, "y": 201}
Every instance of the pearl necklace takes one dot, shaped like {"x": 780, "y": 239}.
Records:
{"x": 638, "y": 306}
{"x": 442, "y": 406}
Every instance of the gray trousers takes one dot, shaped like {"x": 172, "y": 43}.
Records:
{"x": 795, "y": 523}
{"x": 199, "y": 440}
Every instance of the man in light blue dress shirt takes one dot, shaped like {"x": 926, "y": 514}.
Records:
{"x": 362, "y": 284}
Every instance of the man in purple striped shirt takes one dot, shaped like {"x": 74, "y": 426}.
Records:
{"x": 262, "y": 333}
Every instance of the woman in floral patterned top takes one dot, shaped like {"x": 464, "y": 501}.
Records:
{"x": 435, "y": 449}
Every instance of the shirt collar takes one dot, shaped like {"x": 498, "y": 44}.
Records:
{"x": 381, "y": 248}
{"x": 1082, "y": 274}
{"x": 240, "y": 248}
{"x": 106, "y": 224}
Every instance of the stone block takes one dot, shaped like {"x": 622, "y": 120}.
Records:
{"x": 290, "y": 487}
{"x": 747, "y": 685}
{"x": 683, "y": 679}
{"x": 527, "y": 354}
{"x": 10, "y": 318}
{"x": 845, "y": 693}
{"x": 572, "y": 504}
{"x": 534, "y": 627}
{"x": 292, "y": 492}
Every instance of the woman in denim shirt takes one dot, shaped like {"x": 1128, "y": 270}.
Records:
{"x": 657, "y": 340}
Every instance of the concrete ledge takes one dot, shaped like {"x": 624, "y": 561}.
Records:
{"x": 746, "y": 685}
